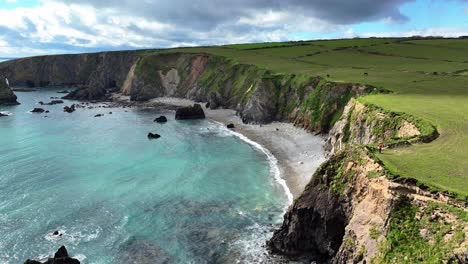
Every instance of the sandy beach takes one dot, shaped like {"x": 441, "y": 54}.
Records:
{"x": 299, "y": 153}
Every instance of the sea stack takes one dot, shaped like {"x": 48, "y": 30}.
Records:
{"x": 190, "y": 112}
{"x": 61, "y": 256}
{"x": 7, "y": 97}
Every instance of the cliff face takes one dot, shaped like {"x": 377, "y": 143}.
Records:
{"x": 94, "y": 74}
{"x": 366, "y": 125}
{"x": 351, "y": 212}
{"x": 7, "y": 97}
{"x": 341, "y": 202}
{"x": 258, "y": 95}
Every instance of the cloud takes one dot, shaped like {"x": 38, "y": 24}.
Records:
{"x": 69, "y": 26}
{"x": 449, "y": 32}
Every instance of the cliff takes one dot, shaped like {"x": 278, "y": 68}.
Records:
{"x": 351, "y": 212}
{"x": 7, "y": 97}
{"x": 95, "y": 74}
{"x": 370, "y": 125}
{"x": 259, "y": 95}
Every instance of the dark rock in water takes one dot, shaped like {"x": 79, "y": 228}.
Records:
{"x": 230, "y": 126}
{"x": 61, "y": 252}
{"x": 53, "y": 102}
{"x": 60, "y": 257}
{"x": 69, "y": 109}
{"x": 1, "y": 114}
{"x": 37, "y": 110}
{"x": 47, "y": 111}
{"x": 161, "y": 119}
{"x": 56, "y": 233}
{"x": 64, "y": 92}
{"x": 40, "y": 102}
{"x": 98, "y": 115}
{"x": 207, "y": 105}
{"x": 190, "y": 112}
{"x": 152, "y": 136}
{"x": 110, "y": 113}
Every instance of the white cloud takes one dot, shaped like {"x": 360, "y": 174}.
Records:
{"x": 350, "y": 33}
{"x": 448, "y": 32}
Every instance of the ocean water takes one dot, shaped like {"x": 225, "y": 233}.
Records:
{"x": 199, "y": 194}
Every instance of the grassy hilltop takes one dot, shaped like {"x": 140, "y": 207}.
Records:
{"x": 428, "y": 78}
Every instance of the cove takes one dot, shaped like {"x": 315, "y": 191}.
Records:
{"x": 199, "y": 194}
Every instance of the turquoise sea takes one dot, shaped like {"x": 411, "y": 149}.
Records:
{"x": 199, "y": 194}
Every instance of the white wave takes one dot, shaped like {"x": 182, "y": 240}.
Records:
{"x": 73, "y": 237}
{"x": 80, "y": 257}
{"x": 274, "y": 168}
{"x": 6, "y": 113}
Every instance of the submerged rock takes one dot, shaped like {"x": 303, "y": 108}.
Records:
{"x": 161, "y": 119}
{"x": 153, "y": 136}
{"x": 63, "y": 92}
{"x": 37, "y": 110}
{"x": 190, "y": 112}
{"x": 142, "y": 251}
{"x": 60, "y": 257}
{"x": 98, "y": 115}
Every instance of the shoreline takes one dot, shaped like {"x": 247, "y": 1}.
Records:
{"x": 297, "y": 152}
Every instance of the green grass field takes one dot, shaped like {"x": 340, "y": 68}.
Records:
{"x": 429, "y": 78}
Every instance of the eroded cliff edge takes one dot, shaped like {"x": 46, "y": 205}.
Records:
{"x": 351, "y": 209}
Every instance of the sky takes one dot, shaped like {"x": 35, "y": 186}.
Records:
{"x": 38, "y": 27}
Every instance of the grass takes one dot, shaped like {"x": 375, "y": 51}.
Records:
{"x": 428, "y": 78}
{"x": 404, "y": 243}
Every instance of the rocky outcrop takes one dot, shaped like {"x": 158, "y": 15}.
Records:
{"x": 190, "y": 112}
{"x": 37, "y": 110}
{"x": 60, "y": 257}
{"x": 365, "y": 125}
{"x": 351, "y": 212}
{"x": 53, "y": 102}
{"x": 153, "y": 135}
{"x": 7, "y": 96}
{"x": 161, "y": 119}
{"x": 69, "y": 109}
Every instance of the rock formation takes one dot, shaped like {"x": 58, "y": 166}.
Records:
{"x": 7, "y": 97}
{"x": 37, "y": 110}
{"x": 60, "y": 257}
{"x": 69, "y": 109}
{"x": 153, "y": 135}
{"x": 190, "y": 112}
{"x": 161, "y": 119}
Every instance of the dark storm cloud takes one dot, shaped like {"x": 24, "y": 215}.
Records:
{"x": 207, "y": 14}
